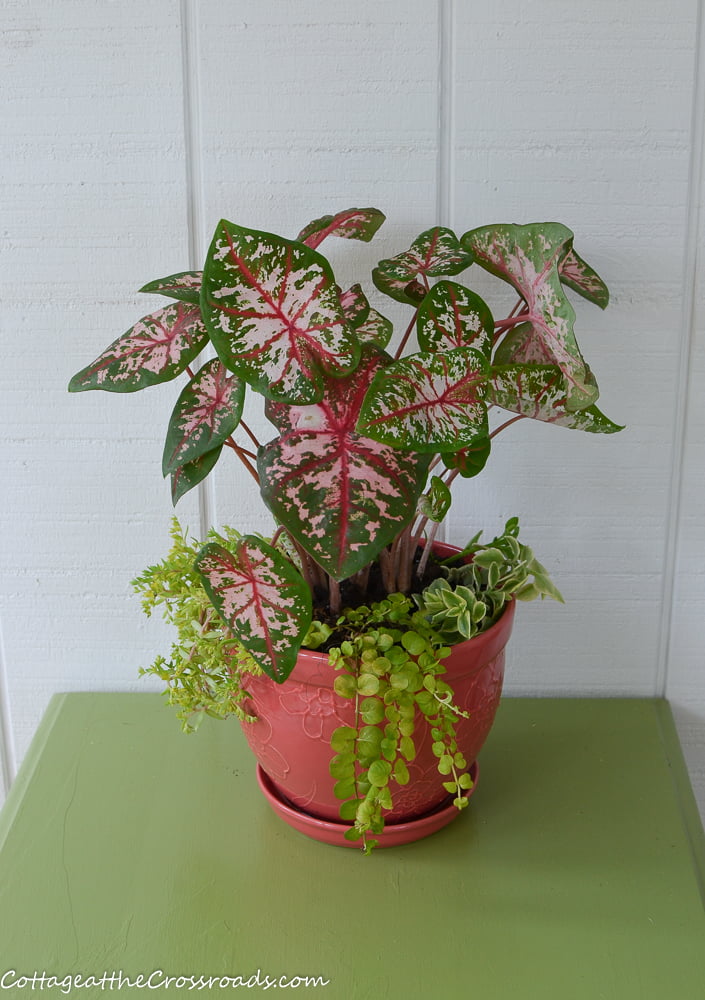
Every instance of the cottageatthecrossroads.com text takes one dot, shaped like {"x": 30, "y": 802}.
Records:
{"x": 157, "y": 980}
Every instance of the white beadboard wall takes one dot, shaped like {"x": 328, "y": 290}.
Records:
{"x": 130, "y": 128}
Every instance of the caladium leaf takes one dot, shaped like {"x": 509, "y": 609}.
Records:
{"x": 156, "y": 349}
{"x": 206, "y": 413}
{"x": 434, "y": 253}
{"x": 578, "y": 275}
{"x": 187, "y": 476}
{"x": 186, "y": 286}
{"x": 411, "y": 292}
{"x": 435, "y": 503}
{"x": 429, "y": 402}
{"x": 376, "y": 329}
{"x": 471, "y": 460}
{"x": 353, "y": 224}
{"x": 274, "y": 316}
{"x": 369, "y": 325}
{"x": 528, "y": 257}
{"x": 453, "y": 316}
{"x": 342, "y": 495}
{"x": 261, "y": 597}
{"x": 355, "y": 306}
{"x": 539, "y": 392}
{"x": 520, "y": 345}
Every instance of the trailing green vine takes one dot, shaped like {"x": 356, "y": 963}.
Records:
{"x": 389, "y": 664}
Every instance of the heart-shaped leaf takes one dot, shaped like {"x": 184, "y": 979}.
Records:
{"x": 274, "y": 316}
{"x": 186, "y": 285}
{"x": 578, "y": 275}
{"x": 343, "y": 496}
{"x": 428, "y": 402}
{"x": 436, "y": 252}
{"x": 453, "y": 316}
{"x": 376, "y": 329}
{"x": 410, "y": 292}
{"x": 355, "y": 306}
{"x": 539, "y": 392}
{"x": 471, "y": 460}
{"x": 187, "y": 476}
{"x": 528, "y": 257}
{"x": 156, "y": 349}
{"x": 369, "y": 325}
{"x": 261, "y": 597}
{"x": 353, "y": 224}
{"x": 206, "y": 413}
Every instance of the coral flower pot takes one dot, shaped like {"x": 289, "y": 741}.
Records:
{"x": 295, "y": 720}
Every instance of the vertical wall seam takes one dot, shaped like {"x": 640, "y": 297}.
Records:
{"x": 446, "y": 118}
{"x": 445, "y": 135}
{"x": 8, "y": 754}
{"x": 195, "y": 223}
{"x": 687, "y": 321}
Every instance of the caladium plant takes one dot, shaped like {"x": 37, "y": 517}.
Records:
{"x": 367, "y": 438}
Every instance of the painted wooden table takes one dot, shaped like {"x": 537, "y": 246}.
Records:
{"x": 128, "y": 849}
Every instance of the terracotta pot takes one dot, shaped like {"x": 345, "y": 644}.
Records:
{"x": 291, "y": 739}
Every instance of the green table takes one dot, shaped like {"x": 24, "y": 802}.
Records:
{"x": 576, "y": 872}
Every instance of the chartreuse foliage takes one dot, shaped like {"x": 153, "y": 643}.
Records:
{"x": 389, "y": 664}
{"x": 207, "y": 666}
{"x": 368, "y": 437}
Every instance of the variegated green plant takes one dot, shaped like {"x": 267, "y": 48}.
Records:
{"x": 477, "y": 583}
{"x": 368, "y": 438}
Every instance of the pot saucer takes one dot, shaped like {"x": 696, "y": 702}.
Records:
{"x": 393, "y": 835}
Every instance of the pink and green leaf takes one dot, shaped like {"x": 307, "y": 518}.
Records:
{"x": 186, "y": 286}
{"x": 369, "y": 325}
{"x": 410, "y": 292}
{"x": 376, "y": 329}
{"x": 453, "y": 316}
{"x": 429, "y": 402}
{"x": 578, "y": 275}
{"x": 156, "y": 349}
{"x": 355, "y": 306}
{"x": 206, "y": 413}
{"x": 352, "y": 224}
{"x": 187, "y": 476}
{"x": 436, "y": 252}
{"x": 539, "y": 392}
{"x": 273, "y": 313}
{"x": 342, "y": 495}
{"x": 262, "y": 599}
{"x": 471, "y": 460}
{"x": 528, "y": 257}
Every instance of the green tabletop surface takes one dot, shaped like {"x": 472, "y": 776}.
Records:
{"x": 128, "y": 849}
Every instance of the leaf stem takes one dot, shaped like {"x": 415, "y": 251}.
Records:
{"x": 426, "y": 555}
{"x": 509, "y": 322}
{"x": 249, "y": 433}
{"x": 229, "y": 443}
{"x": 406, "y": 336}
{"x": 508, "y": 423}
{"x": 242, "y": 455}
{"x": 519, "y": 303}
{"x": 334, "y": 595}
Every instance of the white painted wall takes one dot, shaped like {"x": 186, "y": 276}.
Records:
{"x": 130, "y": 128}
